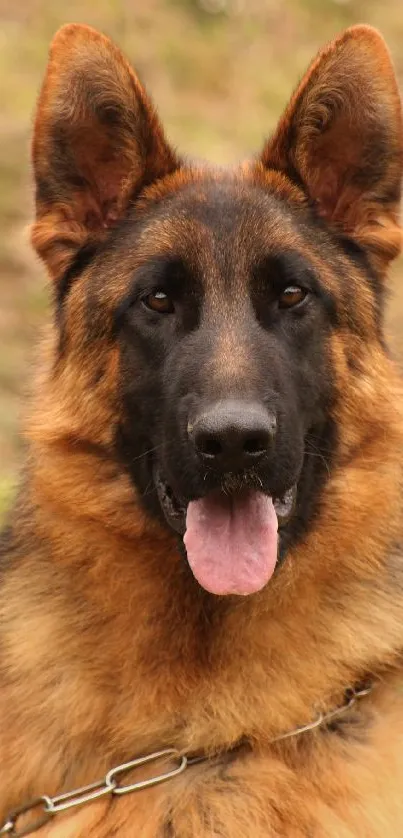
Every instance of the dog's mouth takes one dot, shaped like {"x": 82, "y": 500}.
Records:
{"x": 231, "y": 538}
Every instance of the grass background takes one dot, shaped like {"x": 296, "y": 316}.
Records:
{"x": 220, "y": 72}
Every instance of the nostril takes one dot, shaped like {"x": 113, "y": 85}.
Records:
{"x": 256, "y": 445}
{"x": 208, "y": 445}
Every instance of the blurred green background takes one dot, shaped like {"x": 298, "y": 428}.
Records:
{"x": 220, "y": 72}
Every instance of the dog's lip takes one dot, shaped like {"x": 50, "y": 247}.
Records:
{"x": 174, "y": 509}
{"x": 285, "y": 505}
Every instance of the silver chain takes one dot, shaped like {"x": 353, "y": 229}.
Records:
{"x": 351, "y": 696}
{"x": 47, "y": 807}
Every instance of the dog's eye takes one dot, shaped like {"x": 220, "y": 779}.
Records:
{"x": 291, "y": 296}
{"x": 159, "y": 301}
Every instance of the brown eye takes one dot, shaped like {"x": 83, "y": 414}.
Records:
{"x": 158, "y": 301}
{"x": 291, "y": 296}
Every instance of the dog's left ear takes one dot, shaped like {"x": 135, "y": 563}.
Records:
{"x": 341, "y": 136}
{"x": 97, "y": 143}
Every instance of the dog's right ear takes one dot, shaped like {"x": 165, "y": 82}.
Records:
{"x": 97, "y": 143}
{"x": 341, "y": 137}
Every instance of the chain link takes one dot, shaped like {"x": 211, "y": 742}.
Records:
{"x": 34, "y": 825}
{"x": 48, "y": 807}
{"x": 111, "y": 784}
{"x": 352, "y": 695}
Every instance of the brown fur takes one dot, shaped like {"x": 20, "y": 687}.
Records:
{"x": 108, "y": 649}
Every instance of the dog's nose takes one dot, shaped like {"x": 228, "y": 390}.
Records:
{"x": 233, "y": 435}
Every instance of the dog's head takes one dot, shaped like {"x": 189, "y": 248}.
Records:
{"x": 209, "y": 321}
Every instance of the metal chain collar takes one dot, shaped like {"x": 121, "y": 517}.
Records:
{"x": 47, "y": 807}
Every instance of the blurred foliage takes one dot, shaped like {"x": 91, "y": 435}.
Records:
{"x": 220, "y": 72}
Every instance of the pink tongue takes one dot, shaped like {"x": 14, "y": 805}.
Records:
{"x": 231, "y": 542}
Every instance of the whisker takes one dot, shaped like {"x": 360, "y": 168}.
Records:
{"x": 320, "y": 457}
{"x": 150, "y": 451}
{"x": 149, "y": 488}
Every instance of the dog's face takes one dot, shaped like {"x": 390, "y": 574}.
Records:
{"x": 228, "y": 321}
{"x": 219, "y": 296}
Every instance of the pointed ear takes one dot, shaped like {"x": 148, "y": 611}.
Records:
{"x": 341, "y": 135}
{"x": 97, "y": 142}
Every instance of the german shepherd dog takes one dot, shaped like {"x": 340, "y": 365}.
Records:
{"x": 205, "y": 552}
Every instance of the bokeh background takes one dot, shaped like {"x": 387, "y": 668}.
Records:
{"x": 220, "y": 72}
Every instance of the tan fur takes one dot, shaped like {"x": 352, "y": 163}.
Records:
{"x": 109, "y": 647}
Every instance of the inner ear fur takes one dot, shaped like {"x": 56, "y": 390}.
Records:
{"x": 97, "y": 142}
{"x": 341, "y": 136}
